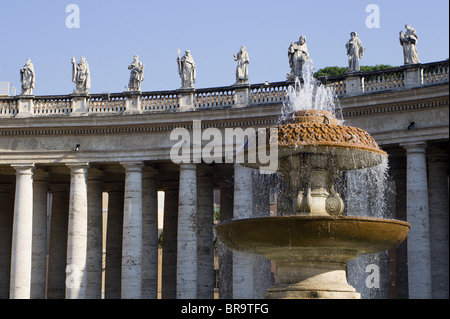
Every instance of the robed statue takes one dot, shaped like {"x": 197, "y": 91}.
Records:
{"x": 298, "y": 54}
{"x": 27, "y": 78}
{"x": 408, "y": 41}
{"x": 355, "y": 51}
{"x": 186, "y": 69}
{"x": 242, "y": 66}
{"x": 81, "y": 75}
{"x": 136, "y": 74}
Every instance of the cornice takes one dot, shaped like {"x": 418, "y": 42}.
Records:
{"x": 252, "y": 116}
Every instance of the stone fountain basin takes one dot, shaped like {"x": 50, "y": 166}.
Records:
{"x": 285, "y": 234}
{"x": 345, "y": 158}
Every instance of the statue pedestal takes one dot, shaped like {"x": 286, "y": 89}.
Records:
{"x": 186, "y": 99}
{"x": 354, "y": 83}
{"x": 413, "y": 75}
{"x": 79, "y": 104}
{"x": 241, "y": 94}
{"x": 132, "y": 102}
{"x": 25, "y": 105}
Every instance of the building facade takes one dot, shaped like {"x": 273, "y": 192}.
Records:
{"x": 60, "y": 155}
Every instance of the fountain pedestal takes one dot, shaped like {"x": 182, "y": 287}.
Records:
{"x": 312, "y": 274}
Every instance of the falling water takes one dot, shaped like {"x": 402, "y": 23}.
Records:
{"x": 364, "y": 190}
{"x": 310, "y": 94}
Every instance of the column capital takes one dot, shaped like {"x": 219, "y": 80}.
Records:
{"x": 78, "y": 168}
{"x": 188, "y": 166}
{"x": 415, "y": 147}
{"x": 24, "y": 169}
{"x": 134, "y": 166}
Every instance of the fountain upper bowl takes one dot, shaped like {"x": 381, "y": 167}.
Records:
{"x": 318, "y": 132}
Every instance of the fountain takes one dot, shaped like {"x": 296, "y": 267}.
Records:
{"x": 310, "y": 240}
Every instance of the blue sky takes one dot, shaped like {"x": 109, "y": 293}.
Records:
{"x": 112, "y": 32}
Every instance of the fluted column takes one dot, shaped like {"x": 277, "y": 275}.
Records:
{"x": 114, "y": 226}
{"x": 205, "y": 239}
{"x": 150, "y": 234}
{"x": 169, "y": 255}
{"x": 132, "y": 232}
{"x": 187, "y": 233}
{"x": 438, "y": 205}
{"x": 243, "y": 208}
{"x": 39, "y": 260}
{"x": 6, "y": 222}
{"x": 77, "y": 233}
{"x": 21, "y": 250}
{"x": 418, "y": 240}
{"x": 95, "y": 230}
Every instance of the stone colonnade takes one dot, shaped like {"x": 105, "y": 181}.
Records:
{"x": 72, "y": 239}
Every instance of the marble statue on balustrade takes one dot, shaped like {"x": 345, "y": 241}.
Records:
{"x": 136, "y": 74}
{"x": 355, "y": 51}
{"x": 81, "y": 75}
{"x": 242, "y": 66}
{"x": 186, "y": 70}
{"x": 27, "y": 78}
{"x": 408, "y": 41}
{"x": 298, "y": 54}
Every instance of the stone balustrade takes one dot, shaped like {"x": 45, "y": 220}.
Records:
{"x": 161, "y": 101}
{"x": 349, "y": 84}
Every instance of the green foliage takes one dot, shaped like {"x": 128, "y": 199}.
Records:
{"x": 330, "y": 71}
{"x": 377, "y": 67}
{"x": 336, "y": 70}
{"x": 160, "y": 240}
{"x": 216, "y": 213}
